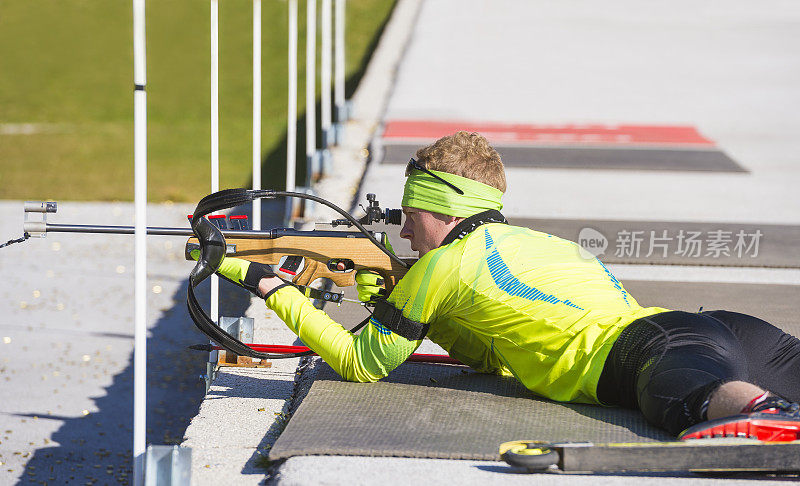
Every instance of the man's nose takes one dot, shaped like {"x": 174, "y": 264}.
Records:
{"x": 405, "y": 232}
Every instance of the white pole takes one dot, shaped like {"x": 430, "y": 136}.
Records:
{"x": 140, "y": 232}
{"x": 214, "y": 134}
{"x": 325, "y": 74}
{"x": 311, "y": 57}
{"x": 291, "y": 119}
{"x": 257, "y": 111}
{"x": 339, "y": 62}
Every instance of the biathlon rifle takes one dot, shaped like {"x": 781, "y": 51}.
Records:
{"x": 303, "y": 256}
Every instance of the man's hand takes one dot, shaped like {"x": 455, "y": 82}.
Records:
{"x": 247, "y": 274}
{"x": 267, "y": 285}
{"x": 370, "y": 286}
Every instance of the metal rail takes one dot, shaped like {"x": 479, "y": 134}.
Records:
{"x": 151, "y": 230}
{"x": 36, "y": 228}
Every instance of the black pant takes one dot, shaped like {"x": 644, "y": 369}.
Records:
{"x": 668, "y": 364}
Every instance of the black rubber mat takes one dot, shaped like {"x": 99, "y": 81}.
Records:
{"x": 630, "y": 158}
{"x": 676, "y": 243}
{"x": 451, "y": 412}
{"x": 439, "y": 411}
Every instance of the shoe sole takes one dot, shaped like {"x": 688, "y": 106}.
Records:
{"x": 760, "y": 426}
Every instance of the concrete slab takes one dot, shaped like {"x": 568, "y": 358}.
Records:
{"x": 317, "y": 470}
{"x": 236, "y": 464}
{"x": 242, "y": 414}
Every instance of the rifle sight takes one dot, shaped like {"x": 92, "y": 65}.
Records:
{"x": 374, "y": 214}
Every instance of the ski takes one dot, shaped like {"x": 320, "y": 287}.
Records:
{"x": 709, "y": 455}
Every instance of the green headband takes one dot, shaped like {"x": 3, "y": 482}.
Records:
{"x": 423, "y": 191}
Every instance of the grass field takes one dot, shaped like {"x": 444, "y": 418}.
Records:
{"x": 66, "y": 95}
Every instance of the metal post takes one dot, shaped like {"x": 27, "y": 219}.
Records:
{"x": 325, "y": 75}
{"x": 311, "y": 121}
{"x": 214, "y": 134}
{"x": 291, "y": 118}
{"x": 256, "y": 223}
{"x": 339, "y": 80}
{"x": 140, "y": 228}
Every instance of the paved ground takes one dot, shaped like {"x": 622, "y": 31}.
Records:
{"x": 66, "y": 355}
{"x": 730, "y": 69}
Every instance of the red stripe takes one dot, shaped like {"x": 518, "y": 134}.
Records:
{"x": 567, "y": 134}
{"x": 284, "y": 349}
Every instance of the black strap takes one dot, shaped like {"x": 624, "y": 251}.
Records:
{"x": 211, "y": 238}
{"x": 469, "y": 225}
{"x": 393, "y": 319}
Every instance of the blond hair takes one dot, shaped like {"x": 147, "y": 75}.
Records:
{"x": 467, "y": 155}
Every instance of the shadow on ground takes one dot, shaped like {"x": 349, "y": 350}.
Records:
{"x": 97, "y": 448}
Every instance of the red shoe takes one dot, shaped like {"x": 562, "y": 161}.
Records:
{"x": 773, "y": 420}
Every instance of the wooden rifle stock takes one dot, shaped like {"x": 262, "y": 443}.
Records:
{"x": 336, "y": 255}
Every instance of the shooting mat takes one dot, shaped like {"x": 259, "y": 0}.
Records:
{"x": 451, "y": 412}
{"x": 629, "y": 158}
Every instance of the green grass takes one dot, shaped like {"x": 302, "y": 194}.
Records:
{"x": 67, "y": 68}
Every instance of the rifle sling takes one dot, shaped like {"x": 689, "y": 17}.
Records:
{"x": 229, "y": 198}
{"x": 214, "y": 202}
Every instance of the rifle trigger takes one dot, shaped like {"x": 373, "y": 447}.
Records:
{"x": 340, "y": 265}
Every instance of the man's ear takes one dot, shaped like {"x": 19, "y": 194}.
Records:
{"x": 455, "y": 220}
{"x": 446, "y": 218}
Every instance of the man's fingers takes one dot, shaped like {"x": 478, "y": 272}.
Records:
{"x": 366, "y": 294}
{"x": 368, "y": 277}
{"x": 369, "y": 285}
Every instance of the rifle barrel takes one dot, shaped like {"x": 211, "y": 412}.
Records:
{"x": 40, "y": 227}
{"x": 151, "y": 230}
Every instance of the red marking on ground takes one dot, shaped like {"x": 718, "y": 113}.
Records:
{"x": 567, "y": 134}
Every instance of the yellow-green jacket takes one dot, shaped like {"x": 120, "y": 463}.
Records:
{"x": 503, "y": 299}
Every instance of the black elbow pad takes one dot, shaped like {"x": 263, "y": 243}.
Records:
{"x": 393, "y": 319}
